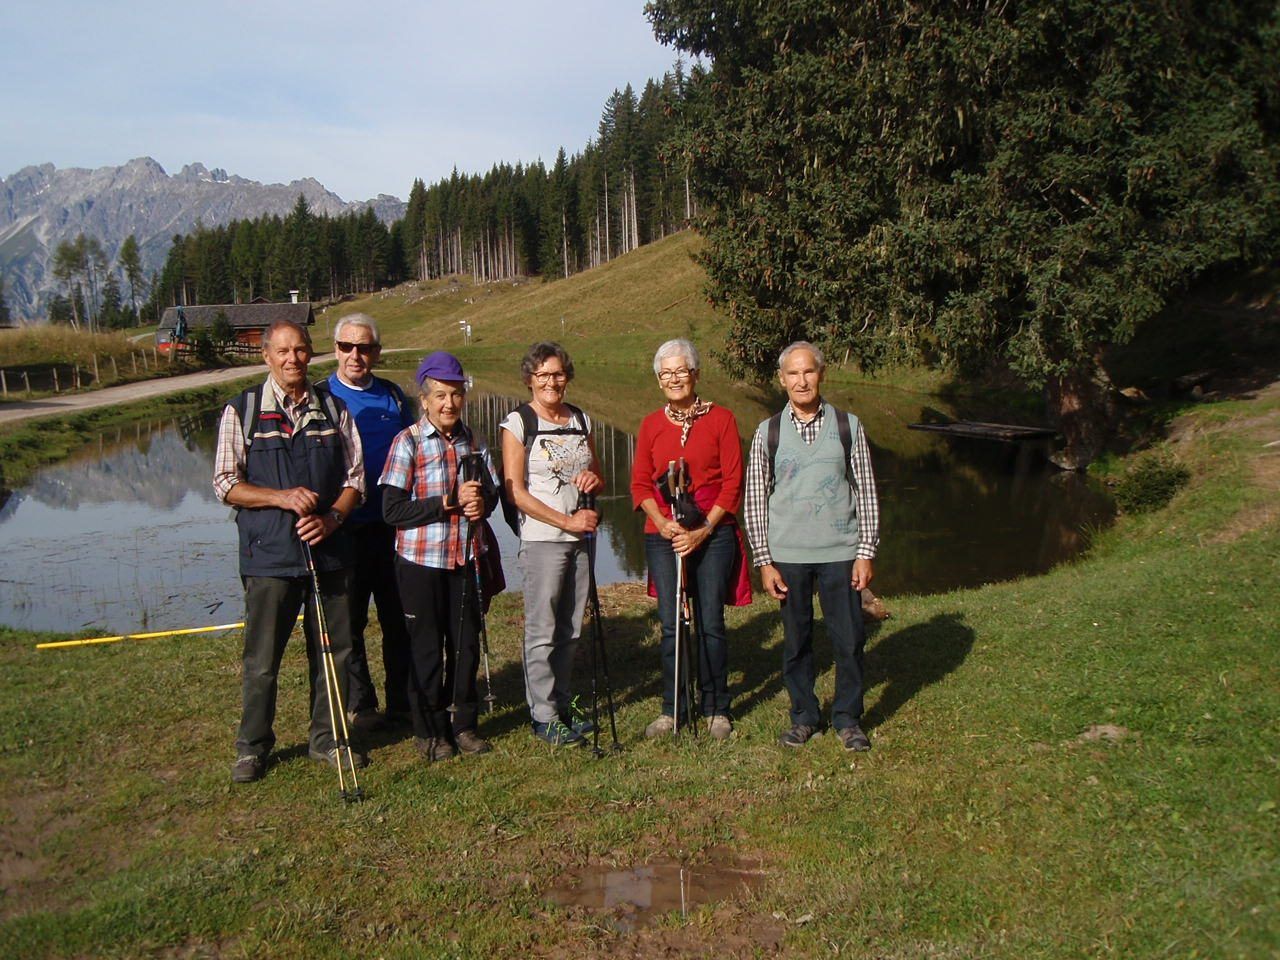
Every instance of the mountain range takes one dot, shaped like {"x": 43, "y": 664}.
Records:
{"x": 40, "y": 206}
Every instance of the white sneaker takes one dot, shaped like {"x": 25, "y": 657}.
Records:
{"x": 660, "y": 727}
{"x": 719, "y": 726}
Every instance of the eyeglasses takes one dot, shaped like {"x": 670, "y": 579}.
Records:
{"x": 366, "y": 349}
{"x": 542, "y": 379}
{"x": 675, "y": 376}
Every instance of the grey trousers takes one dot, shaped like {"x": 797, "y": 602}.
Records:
{"x": 555, "y": 596}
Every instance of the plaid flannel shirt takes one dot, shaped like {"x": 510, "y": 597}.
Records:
{"x": 424, "y": 462}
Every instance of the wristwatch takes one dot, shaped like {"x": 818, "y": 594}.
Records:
{"x": 337, "y": 517}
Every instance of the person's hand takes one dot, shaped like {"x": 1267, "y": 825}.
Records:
{"x": 297, "y": 500}
{"x": 471, "y": 499}
{"x": 687, "y": 541}
{"x": 314, "y": 528}
{"x": 588, "y": 482}
{"x": 862, "y": 574}
{"x": 670, "y": 529}
{"x": 773, "y": 582}
{"x": 582, "y": 522}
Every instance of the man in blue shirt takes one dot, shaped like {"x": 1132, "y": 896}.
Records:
{"x": 380, "y": 411}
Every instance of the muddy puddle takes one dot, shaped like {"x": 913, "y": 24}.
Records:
{"x": 629, "y": 898}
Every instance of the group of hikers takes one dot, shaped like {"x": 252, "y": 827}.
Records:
{"x": 342, "y": 494}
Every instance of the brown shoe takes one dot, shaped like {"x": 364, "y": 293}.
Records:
{"x": 434, "y": 748}
{"x": 366, "y": 721}
{"x": 469, "y": 741}
{"x": 247, "y": 769}
{"x": 854, "y": 739}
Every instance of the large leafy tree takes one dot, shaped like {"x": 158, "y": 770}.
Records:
{"x": 1025, "y": 182}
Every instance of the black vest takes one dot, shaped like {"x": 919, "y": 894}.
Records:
{"x": 281, "y": 456}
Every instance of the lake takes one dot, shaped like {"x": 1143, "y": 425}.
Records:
{"x": 126, "y": 535}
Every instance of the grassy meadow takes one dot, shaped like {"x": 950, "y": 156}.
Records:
{"x": 1082, "y": 764}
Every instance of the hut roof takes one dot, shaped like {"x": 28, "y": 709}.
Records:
{"x": 240, "y": 315}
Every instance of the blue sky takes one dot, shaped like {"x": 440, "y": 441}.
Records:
{"x": 363, "y": 97}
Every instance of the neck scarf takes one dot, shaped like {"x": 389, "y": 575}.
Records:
{"x": 686, "y": 417}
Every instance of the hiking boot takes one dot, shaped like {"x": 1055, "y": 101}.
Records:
{"x": 556, "y": 733}
{"x": 247, "y": 769}
{"x": 661, "y": 727}
{"x": 577, "y": 719}
{"x": 366, "y": 721}
{"x": 797, "y": 736}
{"x": 719, "y": 726}
{"x": 853, "y": 738}
{"x": 330, "y": 757}
{"x": 434, "y": 748}
{"x": 469, "y": 741}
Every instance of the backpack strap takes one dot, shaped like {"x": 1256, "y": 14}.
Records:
{"x": 247, "y": 405}
{"x": 773, "y": 436}
{"x": 577, "y": 425}
{"x": 846, "y": 441}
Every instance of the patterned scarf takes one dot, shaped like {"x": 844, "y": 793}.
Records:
{"x": 686, "y": 417}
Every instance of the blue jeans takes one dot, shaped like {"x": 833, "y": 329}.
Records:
{"x": 707, "y": 580}
{"x": 842, "y": 613}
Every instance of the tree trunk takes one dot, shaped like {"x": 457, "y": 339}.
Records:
{"x": 1082, "y": 406}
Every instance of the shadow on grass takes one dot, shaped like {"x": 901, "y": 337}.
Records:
{"x": 906, "y": 661}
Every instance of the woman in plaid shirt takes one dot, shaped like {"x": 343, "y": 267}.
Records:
{"x": 434, "y": 510}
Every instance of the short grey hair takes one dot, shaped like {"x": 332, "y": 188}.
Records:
{"x": 678, "y": 347}
{"x": 276, "y": 325}
{"x": 358, "y": 320}
{"x": 802, "y": 345}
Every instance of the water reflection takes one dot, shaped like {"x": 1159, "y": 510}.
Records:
{"x": 127, "y": 535}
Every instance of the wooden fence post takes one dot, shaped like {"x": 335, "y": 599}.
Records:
{"x": 75, "y": 376}
{"x": 134, "y": 357}
{"x": 56, "y": 388}
{"x": 115, "y": 370}
{"x": 26, "y": 380}
{"x": 96, "y": 378}
{"x": 4, "y": 385}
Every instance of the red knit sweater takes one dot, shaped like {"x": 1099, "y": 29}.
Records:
{"x": 713, "y": 456}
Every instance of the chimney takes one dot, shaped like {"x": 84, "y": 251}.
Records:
{"x": 293, "y": 296}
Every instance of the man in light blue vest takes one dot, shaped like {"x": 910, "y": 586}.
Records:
{"x": 813, "y": 520}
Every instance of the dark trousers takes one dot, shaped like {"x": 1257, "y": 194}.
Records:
{"x": 707, "y": 581}
{"x": 842, "y": 614}
{"x": 374, "y": 575}
{"x": 443, "y": 647}
{"x": 271, "y": 607}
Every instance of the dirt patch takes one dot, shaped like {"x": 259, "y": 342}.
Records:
{"x": 1104, "y": 733}
{"x": 1266, "y": 474}
{"x": 30, "y": 821}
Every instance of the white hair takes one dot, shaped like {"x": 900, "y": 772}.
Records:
{"x": 358, "y": 320}
{"x": 678, "y": 347}
{"x": 802, "y": 345}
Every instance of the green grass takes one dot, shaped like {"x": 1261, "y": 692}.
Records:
{"x": 982, "y": 824}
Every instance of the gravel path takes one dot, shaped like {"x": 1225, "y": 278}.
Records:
{"x": 17, "y": 411}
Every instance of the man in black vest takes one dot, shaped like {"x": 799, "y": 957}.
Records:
{"x": 289, "y": 460}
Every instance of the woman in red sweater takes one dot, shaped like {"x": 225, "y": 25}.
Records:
{"x": 706, "y": 437}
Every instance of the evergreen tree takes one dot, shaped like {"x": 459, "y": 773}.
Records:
{"x": 129, "y": 259}
{"x": 1024, "y": 183}
{"x": 5, "y": 318}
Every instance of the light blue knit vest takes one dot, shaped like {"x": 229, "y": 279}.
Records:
{"x": 811, "y": 511}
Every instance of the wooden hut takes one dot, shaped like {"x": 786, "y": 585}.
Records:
{"x": 246, "y": 320}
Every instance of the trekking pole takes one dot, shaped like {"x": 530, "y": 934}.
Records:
{"x": 673, "y": 487}
{"x": 467, "y": 469}
{"x": 333, "y": 691}
{"x": 685, "y": 626}
{"x": 587, "y": 501}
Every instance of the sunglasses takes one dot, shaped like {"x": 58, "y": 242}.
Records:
{"x": 366, "y": 349}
